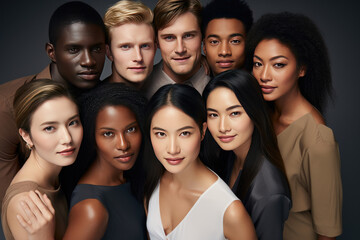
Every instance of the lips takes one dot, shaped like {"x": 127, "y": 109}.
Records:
{"x": 267, "y": 89}
{"x": 137, "y": 69}
{"x": 88, "y": 75}
{"x": 125, "y": 158}
{"x": 225, "y": 64}
{"x": 226, "y": 139}
{"x": 67, "y": 152}
{"x": 174, "y": 161}
{"x": 181, "y": 59}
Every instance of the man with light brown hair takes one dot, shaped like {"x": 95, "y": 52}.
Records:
{"x": 131, "y": 42}
{"x": 177, "y": 27}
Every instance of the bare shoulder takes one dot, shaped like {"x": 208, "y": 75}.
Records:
{"x": 237, "y": 222}
{"x": 88, "y": 219}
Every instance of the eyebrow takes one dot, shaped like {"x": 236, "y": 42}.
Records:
{"x": 231, "y": 35}
{"x": 109, "y": 128}
{"x": 173, "y": 34}
{"x": 180, "y": 129}
{"x": 55, "y": 122}
{"x": 227, "y": 109}
{"x": 273, "y": 58}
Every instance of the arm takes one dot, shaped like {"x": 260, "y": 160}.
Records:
{"x": 269, "y": 215}
{"x": 325, "y": 238}
{"x": 39, "y": 220}
{"x": 87, "y": 220}
{"x": 322, "y": 175}
{"x": 237, "y": 223}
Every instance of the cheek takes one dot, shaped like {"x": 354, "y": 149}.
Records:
{"x": 212, "y": 126}
{"x": 135, "y": 142}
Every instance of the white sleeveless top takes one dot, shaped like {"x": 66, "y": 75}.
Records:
{"x": 203, "y": 221}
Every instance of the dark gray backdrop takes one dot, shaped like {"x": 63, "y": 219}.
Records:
{"x": 23, "y": 26}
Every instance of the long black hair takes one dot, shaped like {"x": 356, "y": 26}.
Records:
{"x": 263, "y": 143}
{"x": 304, "y": 39}
{"x": 107, "y": 94}
{"x": 183, "y": 97}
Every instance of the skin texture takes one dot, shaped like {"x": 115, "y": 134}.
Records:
{"x": 180, "y": 46}
{"x": 224, "y": 44}
{"x": 132, "y": 50}
{"x": 78, "y": 56}
{"x": 176, "y": 144}
{"x": 55, "y": 126}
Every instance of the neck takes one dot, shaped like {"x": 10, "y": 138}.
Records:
{"x": 102, "y": 173}
{"x": 241, "y": 152}
{"x": 181, "y": 78}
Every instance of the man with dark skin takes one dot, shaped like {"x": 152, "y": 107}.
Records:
{"x": 76, "y": 48}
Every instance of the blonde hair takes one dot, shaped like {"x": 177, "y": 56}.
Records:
{"x": 167, "y": 10}
{"x": 127, "y": 11}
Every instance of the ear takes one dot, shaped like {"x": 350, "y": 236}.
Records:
{"x": 204, "y": 48}
{"x": 26, "y": 137}
{"x": 203, "y": 130}
{"x": 50, "y": 51}
{"x": 302, "y": 71}
{"x": 108, "y": 53}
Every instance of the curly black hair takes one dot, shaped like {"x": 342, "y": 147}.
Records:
{"x": 303, "y": 38}
{"x": 237, "y": 9}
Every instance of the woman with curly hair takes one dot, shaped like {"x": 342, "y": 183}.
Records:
{"x": 288, "y": 57}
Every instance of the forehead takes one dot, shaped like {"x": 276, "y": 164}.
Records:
{"x": 227, "y": 96}
{"x": 225, "y": 26}
{"x": 184, "y": 23}
{"x": 273, "y": 47}
{"x": 132, "y": 32}
{"x": 58, "y": 109}
{"x": 81, "y": 34}
{"x": 178, "y": 118}
{"x": 115, "y": 115}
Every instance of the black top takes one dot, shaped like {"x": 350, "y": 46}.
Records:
{"x": 267, "y": 201}
{"x": 127, "y": 218}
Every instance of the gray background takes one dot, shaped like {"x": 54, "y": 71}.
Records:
{"x": 24, "y": 24}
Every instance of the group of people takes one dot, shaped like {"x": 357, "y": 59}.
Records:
{"x": 228, "y": 144}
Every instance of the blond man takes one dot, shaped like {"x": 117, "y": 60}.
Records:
{"x": 131, "y": 45}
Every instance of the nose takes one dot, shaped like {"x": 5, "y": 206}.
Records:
{"x": 173, "y": 147}
{"x": 265, "y": 74}
{"x": 65, "y": 136}
{"x": 122, "y": 143}
{"x": 180, "y": 46}
{"x": 224, "y": 49}
{"x": 138, "y": 55}
{"x": 223, "y": 125}
{"x": 87, "y": 60}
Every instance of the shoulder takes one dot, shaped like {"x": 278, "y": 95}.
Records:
{"x": 85, "y": 191}
{"x": 88, "y": 219}
{"x": 237, "y": 223}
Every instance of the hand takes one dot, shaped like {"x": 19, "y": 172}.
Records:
{"x": 39, "y": 220}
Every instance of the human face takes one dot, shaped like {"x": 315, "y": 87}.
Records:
{"x": 79, "y": 54}
{"x": 276, "y": 70}
{"x": 132, "y": 52}
{"x": 118, "y": 137}
{"x": 180, "y": 46}
{"x": 228, "y": 122}
{"x": 176, "y": 143}
{"x": 55, "y": 132}
{"x": 224, "y": 44}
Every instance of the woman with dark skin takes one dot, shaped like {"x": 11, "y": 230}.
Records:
{"x": 181, "y": 192}
{"x": 249, "y": 160}
{"x": 288, "y": 57}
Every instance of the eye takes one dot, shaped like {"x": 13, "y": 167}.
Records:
{"x": 185, "y": 134}
{"x": 73, "y": 50}
{"x": 160, "y": 134}
{"x": 257, "y": 64}
{"x": 214, "y": 42}
{"x": 49, "y": 129}
{"x": 131, "y": 129}
{"x": 188, "y": 36}
{"x": 212, "y": 115}
{"x": 234, "y": 114}
{"x": 74, "y": 123}
{"x": 169, "y": 38}
{"x": 108, "y": 134}
{"x": 279, "y": 65}
{"x": 97, "y": 49}
{"x": 125, "y": 47}
{"x": 145, "y": 46}
{"x": 235, "y": 41}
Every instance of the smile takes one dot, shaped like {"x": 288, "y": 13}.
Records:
{"x": 174, "y": 161}
{"x": 67, "y": 152}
